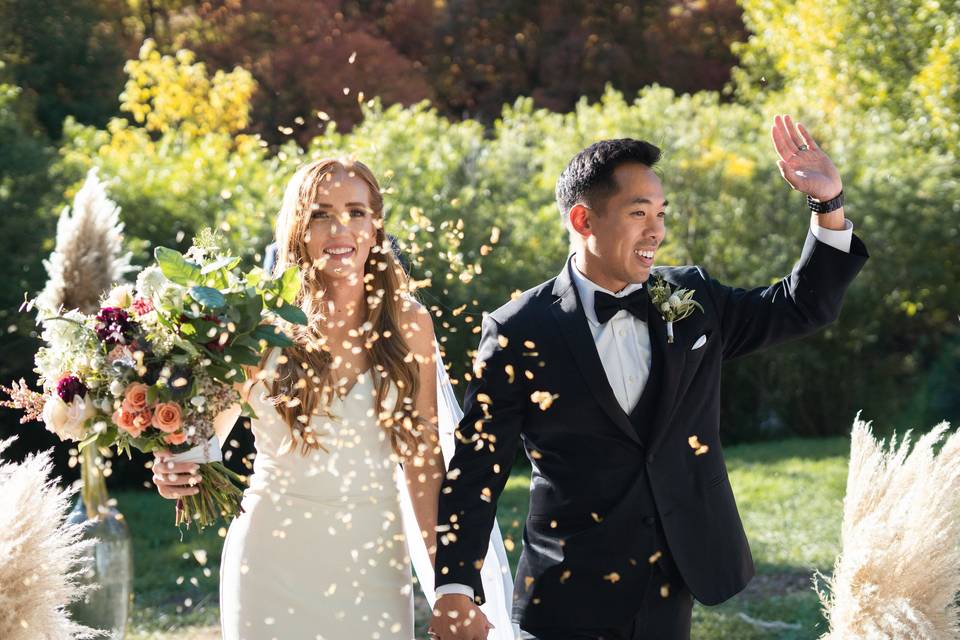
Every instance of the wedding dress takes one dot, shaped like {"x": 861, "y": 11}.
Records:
{"x": 321, "y": 551}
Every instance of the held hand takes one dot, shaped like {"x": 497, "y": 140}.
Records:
{"x": 456, "y": 617}
{"x": 174, "y": 479}
{"x": 802, "y": 163}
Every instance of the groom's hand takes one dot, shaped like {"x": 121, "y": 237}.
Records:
{"x": 807, "y": 168}
{"x": 456, "y": 617}
{"x": 803, "y": 164}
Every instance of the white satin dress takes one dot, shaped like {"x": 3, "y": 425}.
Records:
{"x": 319, "y": 553}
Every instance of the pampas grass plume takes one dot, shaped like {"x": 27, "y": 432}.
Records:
{"x": 38, "y": 554}
{"x": 898, "y": 572}
{"x": 86, "y": 260}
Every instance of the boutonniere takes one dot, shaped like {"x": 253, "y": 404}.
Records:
{"x": 672, "y": 305}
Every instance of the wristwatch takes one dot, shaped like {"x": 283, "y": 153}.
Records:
{"x": 826, "y": 206}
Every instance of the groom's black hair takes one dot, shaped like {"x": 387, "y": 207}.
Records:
{"x": 590, "y": 173}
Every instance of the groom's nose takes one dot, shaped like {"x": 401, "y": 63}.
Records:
{"x": 657, "y": 230}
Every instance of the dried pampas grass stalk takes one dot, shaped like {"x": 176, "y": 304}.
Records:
{"x": 38, "y": 554}
{"x": 898, "y": 572}
{"x": 86, "y": 260}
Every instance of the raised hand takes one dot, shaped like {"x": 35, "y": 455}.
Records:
{"x": 803, "y": 164}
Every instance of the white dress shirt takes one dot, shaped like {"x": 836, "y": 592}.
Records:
{"x": 623, "y": 343}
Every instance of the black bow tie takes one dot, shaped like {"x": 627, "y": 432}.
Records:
{"x": 606, "y": 305}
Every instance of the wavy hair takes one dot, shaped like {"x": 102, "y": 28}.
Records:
{"x": 303, "y": 385}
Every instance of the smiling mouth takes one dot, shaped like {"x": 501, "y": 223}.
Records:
{"x": 645, "y": 255}
{"x": 341, "y": 253}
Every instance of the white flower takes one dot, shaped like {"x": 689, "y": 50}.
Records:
{"x": 665, "y": 307}
{"x": 66, "y": 420}
{"x": 117, "y": 388}
{"x": 150, "y": 281}
{"x": 63, "y": 335}
{"x": 171, "y": 297}
{"x": 674, "y": 301}
{"x": 50, "y": 365}
{"x": 120, "y": 296}
{"x": 198, "y": 402}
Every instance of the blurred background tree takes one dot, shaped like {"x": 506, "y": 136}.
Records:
{"x": 66, "y": 56}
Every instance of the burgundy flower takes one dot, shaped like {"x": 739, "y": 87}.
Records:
{"x": 69, "y": 387}
{"x": 114, "y": 325}
{"x": 214, "y": 345}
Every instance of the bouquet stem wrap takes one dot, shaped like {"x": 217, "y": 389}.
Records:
{"x": 219, "y": 492}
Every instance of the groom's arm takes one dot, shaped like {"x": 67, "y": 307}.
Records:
{"x": 801, "y": 303}
{"x": 486, "y": 446}
{"x": 811, "y": 296}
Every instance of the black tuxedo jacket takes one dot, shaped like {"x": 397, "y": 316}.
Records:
{"x": 602, "y": 480}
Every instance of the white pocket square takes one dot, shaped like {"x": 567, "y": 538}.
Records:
{"x": 702, "y": 340}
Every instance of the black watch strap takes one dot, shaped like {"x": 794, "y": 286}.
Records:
{"x": 826, "y": 206}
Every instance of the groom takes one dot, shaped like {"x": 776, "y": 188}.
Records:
{"x": 631, "y": 511}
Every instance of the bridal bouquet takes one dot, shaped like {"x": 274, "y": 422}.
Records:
{"x": 157, "y": 363}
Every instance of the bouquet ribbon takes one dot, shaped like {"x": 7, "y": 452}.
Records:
{"x": 201, "y": 454}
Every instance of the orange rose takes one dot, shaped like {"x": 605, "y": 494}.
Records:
{"x": 178, "y": 437}
{"x": 126, "y": 420}
{"x": 166, "y": 417}
{"x": 135, "y": 397}
{"x": 143, "y": 419}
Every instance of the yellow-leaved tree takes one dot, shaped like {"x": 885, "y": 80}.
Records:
{"x": 180, "y": 161}
{"x": 899, "y": 57}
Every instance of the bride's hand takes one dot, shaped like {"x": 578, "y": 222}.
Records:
{"x": 174, "y": 479}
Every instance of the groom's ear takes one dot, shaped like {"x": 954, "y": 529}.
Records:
{"x": 580, "y": 220}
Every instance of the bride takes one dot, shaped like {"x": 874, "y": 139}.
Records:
{"x": 348, "y": 431}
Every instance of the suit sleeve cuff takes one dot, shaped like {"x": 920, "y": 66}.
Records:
{"x": 454, "y": 588}
{"x": 839, "y": 240}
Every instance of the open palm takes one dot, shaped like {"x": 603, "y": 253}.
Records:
{"x": 803, "y": 164}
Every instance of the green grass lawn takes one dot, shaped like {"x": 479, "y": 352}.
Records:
{"x": 790, "y": 495}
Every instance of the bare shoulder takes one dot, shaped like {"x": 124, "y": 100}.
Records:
{"x": 416, "y": 325}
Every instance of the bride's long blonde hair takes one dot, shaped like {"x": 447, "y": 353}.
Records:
{"x": 304, "y": 384}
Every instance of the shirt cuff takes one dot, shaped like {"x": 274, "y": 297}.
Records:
{"x": 454, "y": 588}
{"x": 839, "y": 240}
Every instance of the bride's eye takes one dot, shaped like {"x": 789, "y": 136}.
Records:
{"x": 319, "y": 215}
{"x": 358, "y": 213}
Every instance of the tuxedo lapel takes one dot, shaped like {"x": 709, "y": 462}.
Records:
{"x": 672, "y": 358}
{"x": 573, "y": 326}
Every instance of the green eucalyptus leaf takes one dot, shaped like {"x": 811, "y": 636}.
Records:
{"x": 175, "y": 267}
{"x": 272, "y": 335}
{"x": 255, "y": 277}
{"x": 226, "y": 262}
{"x": 291, "y": 313}
{"x": 290, "y": 284}
{"x": 244, "y": 356}
{"x": 208, "y": 297}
